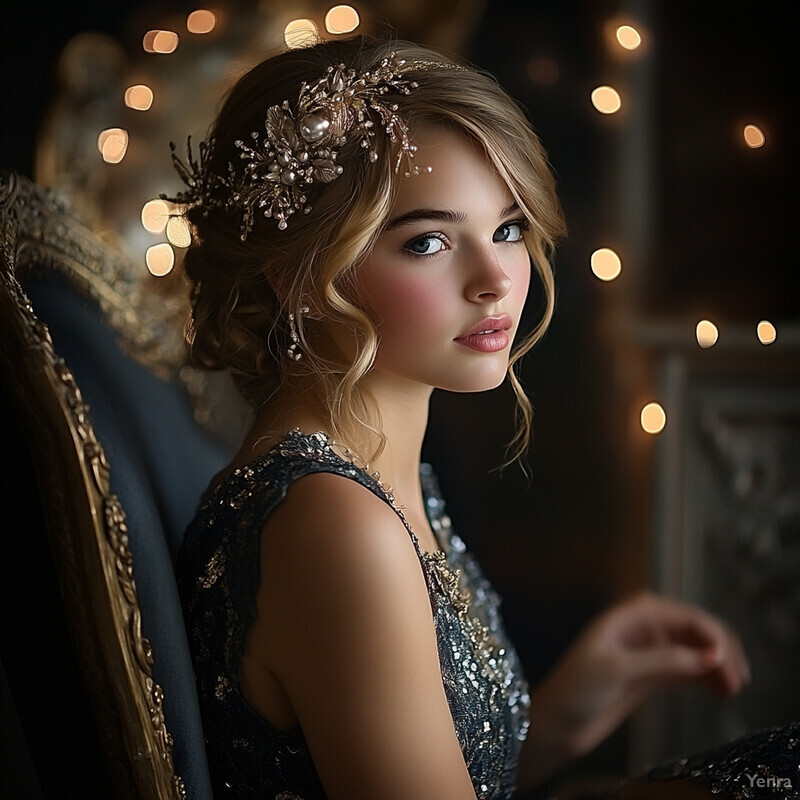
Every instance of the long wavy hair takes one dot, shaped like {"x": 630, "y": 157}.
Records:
{"x": 244, "y": 290}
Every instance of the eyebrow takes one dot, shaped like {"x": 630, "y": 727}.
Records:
{"x": 439, "y": 215}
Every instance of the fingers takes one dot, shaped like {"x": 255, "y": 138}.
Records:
{"x": 655, "y": 667}
{"x": 722, "y": 651}
{"x": 729, "y": 669}
{"x": 671, "y": 641}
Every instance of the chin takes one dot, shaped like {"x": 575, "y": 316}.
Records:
{"x": 483, "y": 383}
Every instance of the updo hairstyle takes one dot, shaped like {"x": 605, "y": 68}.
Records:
{"x": 244, "y": 290}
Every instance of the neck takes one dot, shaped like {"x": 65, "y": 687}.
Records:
{"x": 403, "y": 409}
{"x": 404, "y": 419}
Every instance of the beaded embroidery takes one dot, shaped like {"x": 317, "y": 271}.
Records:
{"x": 761, "y": 765}
{"x": 481, "y": 674}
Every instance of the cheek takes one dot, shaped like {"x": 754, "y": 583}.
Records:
{"x": 522, "y": 282}
{"x": 405, "y": 300}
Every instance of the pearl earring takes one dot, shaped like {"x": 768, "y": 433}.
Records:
{"x": 294, "y": 352}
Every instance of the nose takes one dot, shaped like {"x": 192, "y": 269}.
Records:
{"x": 488, "y": 281}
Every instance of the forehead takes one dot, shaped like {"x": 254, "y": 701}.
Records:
{"x": 455, "y": 173}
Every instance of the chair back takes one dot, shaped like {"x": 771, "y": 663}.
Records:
{"x": 120, "y": 462}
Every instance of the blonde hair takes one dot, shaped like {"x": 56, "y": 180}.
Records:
{"x": 244, "y": 291}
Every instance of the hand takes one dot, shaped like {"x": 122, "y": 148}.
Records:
{"x": 626, "y": 654}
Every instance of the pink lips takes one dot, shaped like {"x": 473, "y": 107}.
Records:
{"x": 487, "y": 336}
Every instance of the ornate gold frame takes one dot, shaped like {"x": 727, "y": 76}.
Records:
{"x": 86, "y": 524}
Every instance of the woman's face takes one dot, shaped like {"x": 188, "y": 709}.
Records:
{"x": 447, "y": 278}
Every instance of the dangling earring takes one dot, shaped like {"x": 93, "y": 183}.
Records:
{"x": 294, "y": 351}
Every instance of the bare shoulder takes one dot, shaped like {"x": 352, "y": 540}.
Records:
{"x": 328, "y": 493}
{"x": 337, "y": 518}
{"x": 346, "y": 628}
{"x": 339, "y": 558}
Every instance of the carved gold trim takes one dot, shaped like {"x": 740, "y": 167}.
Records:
{"x": 146, "y": 312}
{"x": 88, "y": 533}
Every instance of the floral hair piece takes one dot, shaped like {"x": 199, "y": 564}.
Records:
{"x": 300, "y": 149}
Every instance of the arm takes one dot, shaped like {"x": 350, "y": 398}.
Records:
{"x": 625, "y": 655}
{"x": 346, "y": 628}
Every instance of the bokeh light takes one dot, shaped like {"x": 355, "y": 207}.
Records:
{"x": 160, "y": 259}
{"x": 158, "y": 41}
{"x": 754, "y": 136}
{"x": 178, "y": 231}
{"x": 341, "y": 19}
{"x": 139, "y": 97}
{"x": 606, "y": 100}
{"x": 628, "y": 37}
{"x": 707, "y": 333}
{"x": 300, "y": 33}
{"x": 766, "y": 332}
{"x": 113, "y": 144}
{"x": 155, "y": 214}
{"x": 653, "y": 418}
{"x": 201, "y": 21}
{"x": 606, "y": 264}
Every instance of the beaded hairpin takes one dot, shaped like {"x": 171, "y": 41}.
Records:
{"x": 301, "y": 149}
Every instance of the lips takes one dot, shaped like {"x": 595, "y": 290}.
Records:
{"x": 487, "y": 326}
{"x": 487, "y": 336}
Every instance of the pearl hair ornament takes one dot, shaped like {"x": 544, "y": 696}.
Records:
{"x": 300, "y": 149}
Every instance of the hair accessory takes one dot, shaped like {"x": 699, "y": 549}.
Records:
{"x": 294, "y": 352}
{"x": 301, "y": 148}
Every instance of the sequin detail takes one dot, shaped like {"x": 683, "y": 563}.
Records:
{"x": 218, "y": 577}
{"x": 761, "y": 765}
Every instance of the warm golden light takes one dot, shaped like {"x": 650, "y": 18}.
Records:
{"x": 155, "y": 214}
{"x": 147, "y": 41}
{"x": 160, "y": 41}
{"x": 201, "y": 21}
{"x": 341, "y": 19}
{"x": 165, "y": 42}
{"x": 160, "y": 259}
{"x": 139, "y": 97}
{"x": 113, "y": 144}
{"x": 653, "y": 418}
{"x": 754, "y": 136}
{"x": 105, "y": 135}
{"x": 628, "y": 37}
{"x": 606, "y": 100}
{"x": 606, "y": 264}
{"x": 300, "y": 33}
{"x": 707, "y": 333}
{"x": 178, "y": 231}
{"x": 766, "y": 332}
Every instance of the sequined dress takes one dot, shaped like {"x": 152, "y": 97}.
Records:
{"x": 218, "y": 578}
{"x": 760, "y": 765}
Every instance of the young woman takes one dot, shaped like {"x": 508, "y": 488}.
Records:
{"x": 368, "y": 216}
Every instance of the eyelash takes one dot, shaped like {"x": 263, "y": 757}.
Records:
{"x": 522, "y": 224}
{"x": 425, "y": 236}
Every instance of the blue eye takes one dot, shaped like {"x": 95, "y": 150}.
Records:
{"x": 511, "y": 231}
{"x": 426, "y": 245}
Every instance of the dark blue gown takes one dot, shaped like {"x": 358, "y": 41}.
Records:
{"x": 218, "y": 573}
